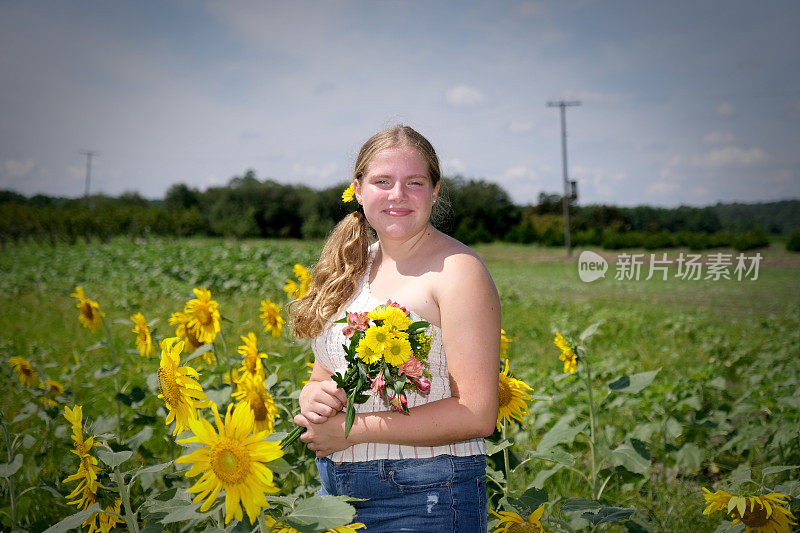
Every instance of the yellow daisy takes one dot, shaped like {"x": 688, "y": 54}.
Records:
{"x": 24, "y": 370}
{"x": 377, "y": 337}
{"x": 182, "y": 394}
{"x": 349, "y": 194}
{"x": 390, "y": 316}
{"x": 253, "y": 391}
{"x": 52, "y": 389}
{"x": 91, "y": 316}
{"x": 251, "y": 357}
{"x": 271, "y": 316}
{"x": 504, "y": 342}
{"x": 568, "y": 354}
{"x": 366, "y": 353}
{"x": 204, "y": 316}
{"x": 144, "y": 340}
{"x": 512, "y": 398}
{"x": 766, "y": 513}
{"x": 298, "y": 289}
{"x": 232, "y": 459}
{"x": 397, "y": 351}
{"x": 512, "y": 522}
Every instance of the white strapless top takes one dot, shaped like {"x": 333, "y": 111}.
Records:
{"x": 328, "y": 351}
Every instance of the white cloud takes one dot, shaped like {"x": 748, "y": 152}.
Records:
{"x": 314, "y": 174}
{"x": 726, "y": 109}
{"x": 731, "y": 156}
{"x": 453, "y": 166}
{"x": 719, "y": 137}
{"x": 520, "y": 127}
{"x": 464, "y": 96}
{"x": 16, "y": 169}
{"x": 662, "y": 187}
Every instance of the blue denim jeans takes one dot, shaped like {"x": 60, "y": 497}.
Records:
{"x": 438, "y": 494}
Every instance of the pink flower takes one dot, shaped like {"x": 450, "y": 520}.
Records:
{"x": 423, "y": 384}
{"x": 348, "y": 331}
{"x": 378, "y": 383}
{"x": 358, "y": 321}
{"x": 397, "y": 305}
{"x": 412, "y": 368}
{"x": 398, "y": 402}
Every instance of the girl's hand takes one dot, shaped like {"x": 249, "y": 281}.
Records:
{"x": 320, "y": 400}
{"x": 324, "y": 438}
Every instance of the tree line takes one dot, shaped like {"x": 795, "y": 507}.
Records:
{"x": 474, "y": 211}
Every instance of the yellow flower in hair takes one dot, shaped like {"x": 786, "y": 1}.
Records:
{"x": 24, "y": 370}
{"x": 349, "y": 194}
{"x": 512, "y": 398}
{"x": 91, "y": 316}
{"x": 144, "y": 340}
{"x": 232, "y": 458}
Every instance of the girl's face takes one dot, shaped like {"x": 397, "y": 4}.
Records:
{"x": 397, "y": 193}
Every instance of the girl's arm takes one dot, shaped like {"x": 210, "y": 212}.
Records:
{"x": 470, "y": 314}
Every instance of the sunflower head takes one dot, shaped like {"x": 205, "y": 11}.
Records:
{"x": 204, "y": 317}
{"x": 511, "y": 522}
{"x": 271, "y": 317}
{"x": 24, "y": 370}
{"x": 90, "y": 315}
{"x": 180, "y": 389}
{"x": 144, "y": 339}
{"x": 51, "y": 389}
{"x": 251, "y": 357}
{"x": 253, "y": 391}
{"x": 232, "y": 458}
{"x": 512, "y": 398}
{"x": 568, "y": 353}
{"x": 298, "y": 288}
{"x": 763, "y": 512}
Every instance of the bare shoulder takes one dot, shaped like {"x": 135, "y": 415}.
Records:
{"x": 462, "y": 269}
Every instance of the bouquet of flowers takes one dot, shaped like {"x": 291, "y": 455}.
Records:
{"x": 386, "y": 352}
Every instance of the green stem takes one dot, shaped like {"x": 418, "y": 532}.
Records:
{"x": 114, "y": 360}
{"x": 592, "y": 428}
{"x": 262, "y": 524}
{"x": 130, "y": 517}
{"x": 10, "y": 480}
{"x": 505, "y": 460}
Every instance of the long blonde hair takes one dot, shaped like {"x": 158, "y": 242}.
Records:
{"x": 345, "y": 256}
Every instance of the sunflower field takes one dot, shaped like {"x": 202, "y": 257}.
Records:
{"x": 147, "y": 386}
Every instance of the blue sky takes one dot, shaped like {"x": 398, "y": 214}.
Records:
{"x": 682, "y": 102}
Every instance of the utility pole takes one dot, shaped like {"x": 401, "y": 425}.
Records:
{"x": 567, "y": 187}
{"x": 89, "y": 154}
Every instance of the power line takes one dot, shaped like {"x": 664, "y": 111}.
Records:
{"x": 89, "y": 154}
{"x": 562, "y": 104}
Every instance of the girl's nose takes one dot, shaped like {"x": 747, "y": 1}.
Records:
{"x": 398, "y": 192}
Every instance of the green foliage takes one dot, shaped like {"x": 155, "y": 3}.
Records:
{"x": 793, "y": 243}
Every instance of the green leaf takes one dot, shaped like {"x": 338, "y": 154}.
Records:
{"x": 9, "y": 469}
{"x": 140, "y": 438}
{"x": 321, "y": 513}
{"x": 580, "y": 504}
{"x": 555, "y": 454}
{"x": 493, "y": 448}
{"x": 530, "y": 500}
{"x": 591, "y": 330}
{"x": 560, "y": 433}
{"x": 543, "y": 476}
{"x": 349, "y": 418}
{"x": 776, "y": 469}
{"x": 181, "y": 513}
{"x": 630, "y": 458}
{"x": 114, "y": 459}
{"x": 739, "y": 476}
{"x": 690, "y": 456}
{"x": 198, "y": 352}
{"x": 28, "y": 441}
{"x": 608, "y": 514}
{"x": 106, "y": 371}
{"x": 151, "y": 469}
{"x": 635, "y": 383}
{"x": 73, "y": 521}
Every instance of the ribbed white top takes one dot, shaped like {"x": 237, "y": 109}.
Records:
{"x": 329, "y": 353}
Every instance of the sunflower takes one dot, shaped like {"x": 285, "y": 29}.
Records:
{"x": 191, "y": 341}
{"x": 512, "y": 398}
{"x": 182, "y": 394}
{"x": 104, "y": 521}
{"x": 232, "y": 459}
{"x": 204, "y": 316}
{"x": 271, "y": 316}
{"x": 349, "y": 193}
{"x": 390, "y": 316}
{"x": 52, "y": 389}
{"x": 24, "y": 370}
{"x": 512, "y": 522}
{"x": 568, "y": 354}
{"x": 765, "y": 513}
{"x": 504, "y": 342}
{"x": 85, "y": 494}
{"x": 251, "y": 357}
{"x": 298, "y": 289}
{"x": 144, "y": 340}
{"x": 253, "y": 391}
{"x": 91, "y": 316}
{"x": 397, "y": 351}
{"x": 276, "y": 527}
{"x": 349, "y": 528}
